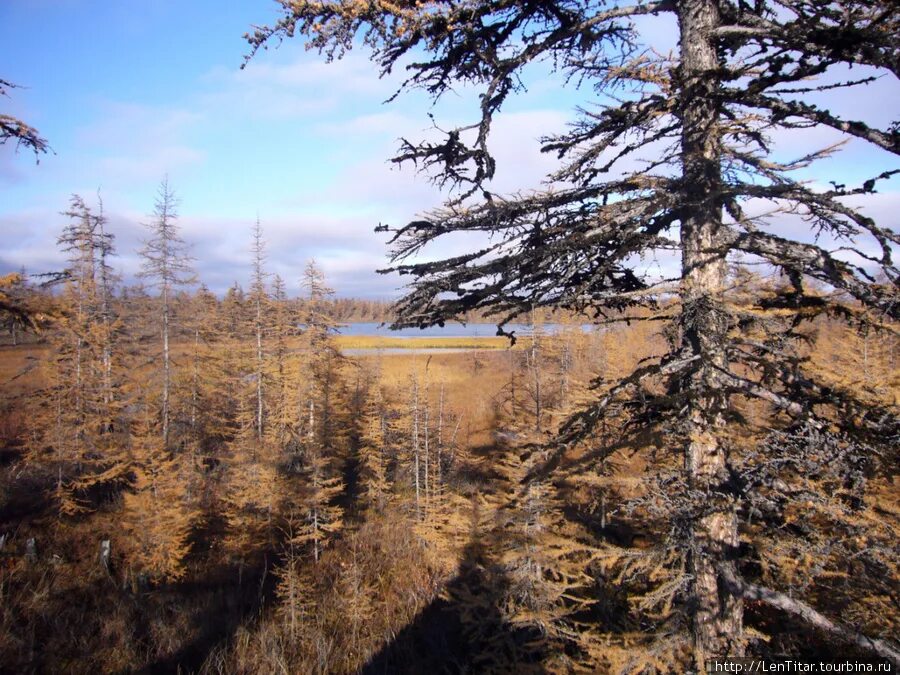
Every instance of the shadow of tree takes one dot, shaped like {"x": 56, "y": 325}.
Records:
{"x": 465, "y": 630}
{"x": 220, "y": 606}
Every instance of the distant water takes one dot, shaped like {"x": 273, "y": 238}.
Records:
{"x": 449, "y": 330}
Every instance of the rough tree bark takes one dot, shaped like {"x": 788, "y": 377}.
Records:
{"x": 717, "y": 614}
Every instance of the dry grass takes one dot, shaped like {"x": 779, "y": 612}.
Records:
{"x": 384, "y": 342}
{"x": 18, "y": 369}
{"x": 471, "y": 382}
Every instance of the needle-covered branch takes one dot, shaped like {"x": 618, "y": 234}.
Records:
{"x": 14, "y": 129}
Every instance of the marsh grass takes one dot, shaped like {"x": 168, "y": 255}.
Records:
{"x": 384, "y": 342}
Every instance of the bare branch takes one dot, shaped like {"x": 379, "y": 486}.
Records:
{"x": 800, "y": 609}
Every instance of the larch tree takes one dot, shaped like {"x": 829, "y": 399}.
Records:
{"x": 260, "y": 298}
{"x": 280, "y": 414}
{"x": 158, "y": 513}
{"x": 167, "y": 264}
{"x": 83, "y": 400}
{"x": 206, "y": 401}
{"x": 714, "y": 190}
{"x": 106, "y": 280}
{"x": 374, "y": 444}
{"x": 319, "y": 429}
{"x": 21, "y": 306}
{"x": 254, "y": 488}
{"x": 322, "y": 360}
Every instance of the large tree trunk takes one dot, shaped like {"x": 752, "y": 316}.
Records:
{"x": 717, "y": 613}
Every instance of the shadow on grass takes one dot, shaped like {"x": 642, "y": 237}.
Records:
{"x": 464, "y": 631}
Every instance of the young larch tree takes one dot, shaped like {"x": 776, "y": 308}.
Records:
{"x": 81, "y": 404}
{"x": 108, "y": 324}
{"x": 373, "y": 445}
{"x": 319, "y": 427}
{"x": 280, "y": 414}
{"x": 260, "y": 298}
{"x": 157, "y": 513}
{"x": 167, "y": 264}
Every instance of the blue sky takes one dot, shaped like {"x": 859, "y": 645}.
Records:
{"x": 126, "y": 92}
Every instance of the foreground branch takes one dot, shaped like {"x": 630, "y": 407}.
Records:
{"x": 800, "y": 609}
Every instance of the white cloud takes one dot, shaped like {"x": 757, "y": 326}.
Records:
{"x": 302, "y": 85}
{"x": 135, "y": 143}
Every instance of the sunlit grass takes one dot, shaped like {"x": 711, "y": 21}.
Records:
{"x": 384, "y": 342}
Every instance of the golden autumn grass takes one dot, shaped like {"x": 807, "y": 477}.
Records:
{"x": 19, "y": 371}
{"x": 436, "y": 343}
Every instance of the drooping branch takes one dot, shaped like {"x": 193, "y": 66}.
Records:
{"x": 818, "y": 263}
{"x": 800, "y": 609}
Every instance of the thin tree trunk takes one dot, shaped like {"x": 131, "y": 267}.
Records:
{"x": 603, "y": 448}
{"x": 316, "y": 534}
{"x": 106, "y": 306}
{"x": 440, "y": 441}
{"x": 259, "y": 290}
{"x": 166, "y": 367}
{"x": 315, "y": 510}
{"x": 536, "y": 375}
{"x": 512, "y": 384}
{"x": 717, "y": 613}
{"x": 259, "y": 370}
{"x": 79, "y": 398}
{"x": 426, "y": 453}
{"x": 195, "y": 380}
{"x": 565, "y": 368}
{"x": 416, "y": 443}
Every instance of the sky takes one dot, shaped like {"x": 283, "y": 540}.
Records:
{"x": 128, "y": 92}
